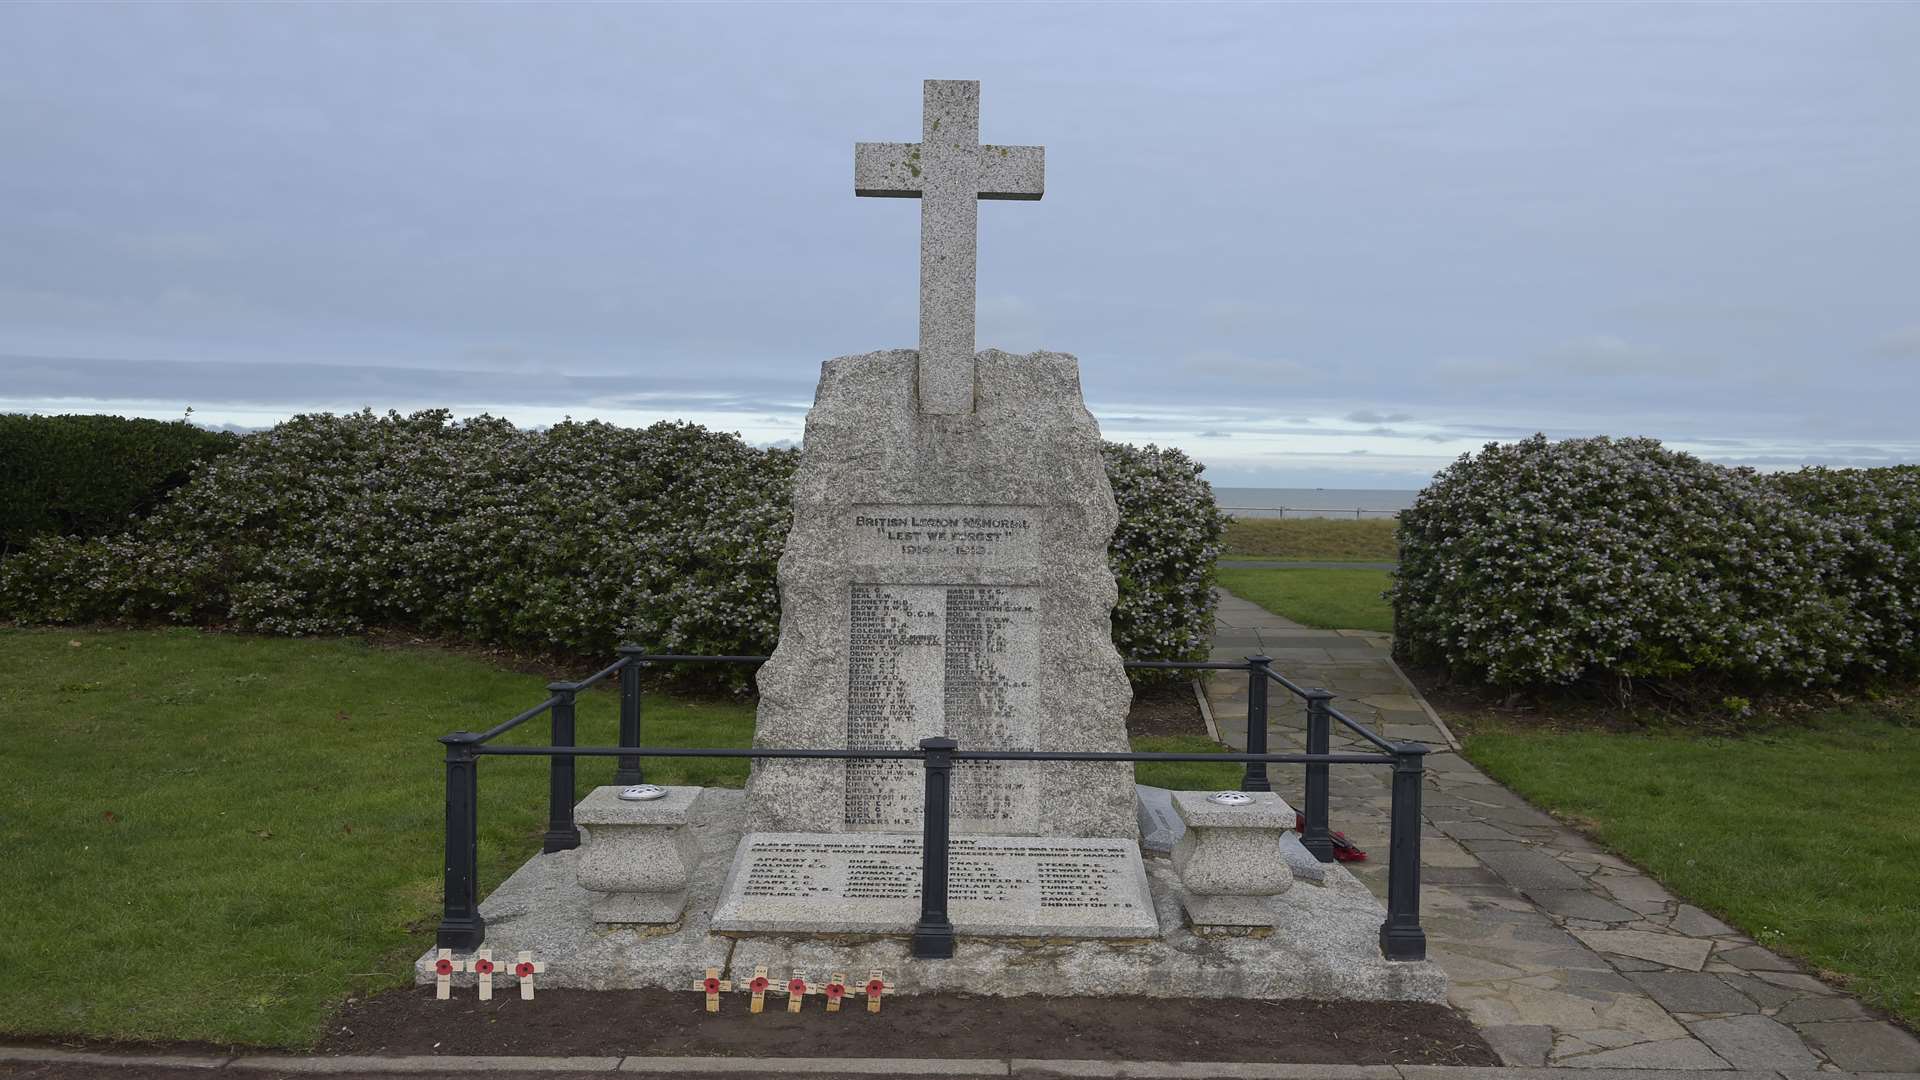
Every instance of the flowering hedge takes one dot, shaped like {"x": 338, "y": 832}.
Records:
{"x": 1163, "y": 555}
{"x": 570, "y": 539}
{"x": 1540, "y": 563}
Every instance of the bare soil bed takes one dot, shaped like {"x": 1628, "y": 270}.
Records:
{"x": 1165, "y": 710}
{"x": 661, "y": 1022}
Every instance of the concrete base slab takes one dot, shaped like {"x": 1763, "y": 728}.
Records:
{"x": 643, "y": 908}
{"x": 1324, "y": 944}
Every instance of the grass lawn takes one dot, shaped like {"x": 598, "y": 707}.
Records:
{"x": 1807, "y": 838}
{"x": 218, "y": 837}
{"x": 1367, "y": 540}
{"x": 1329, "y": 599}
{"x": 1185, "y": 775}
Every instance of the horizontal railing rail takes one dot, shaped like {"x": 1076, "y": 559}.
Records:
{"x": 462, "y": 926}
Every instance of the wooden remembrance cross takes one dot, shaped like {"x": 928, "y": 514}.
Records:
{"x": 947, "y": 170}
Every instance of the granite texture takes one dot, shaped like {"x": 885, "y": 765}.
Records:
{"x": 1030, "y": 449}
{"x": 1161, "y": 829}
{"x": 1267, "y": 811}
{"x": 636, "y": 857}
{"x": 1324, "y": 946}
{"x": 998, "y": 886}
{"x": 948, "y": 170}
{"x": 1229, "y": 857}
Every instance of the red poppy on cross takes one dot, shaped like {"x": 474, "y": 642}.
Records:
{"x": 713, "y": 984}
{"x": 482, "y": 967}
{"x": 835, "y": 989}
{"x": 876, "y": 986}
{"x": 443, "y": 968}
{"x": 759, "y": 987}
{"x": 796, "y": 991}
{"x": 524, "y": 969}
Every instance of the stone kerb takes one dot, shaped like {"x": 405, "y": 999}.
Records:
{"x": 1229, "y": 857}
{"x": 638, "y": 856}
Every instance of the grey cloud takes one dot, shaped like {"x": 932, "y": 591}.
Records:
{"x": 1901, "y": 344}
{"x": 320, "y": 385}
{"x": 1373, "y": 212}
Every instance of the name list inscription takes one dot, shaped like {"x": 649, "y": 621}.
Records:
{"x": 1005, "y": 884}
{"x": 954, "y": 660}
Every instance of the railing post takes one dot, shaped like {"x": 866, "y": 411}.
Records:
{"x": 1400, "y": 936}
{"x": 1255, "y": 778}
{"x": 933, "y": 934}
{"x": 562, "y": 834}
{"x": 461, "y": 926}
{"x": 627, "y": 771}
{"x": 1318, "y": 836}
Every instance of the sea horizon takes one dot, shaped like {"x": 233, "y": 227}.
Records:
{"x": 1316, "y": 502}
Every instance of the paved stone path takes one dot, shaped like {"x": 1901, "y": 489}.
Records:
{"x": 1560, "y": 953}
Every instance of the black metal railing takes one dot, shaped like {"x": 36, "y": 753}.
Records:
{"x": 462, "y": 927}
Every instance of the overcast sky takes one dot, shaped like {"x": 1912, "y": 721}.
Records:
{"x": 1312, "y": 245}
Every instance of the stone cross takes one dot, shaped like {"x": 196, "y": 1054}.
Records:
{"x": 947, "y": 170}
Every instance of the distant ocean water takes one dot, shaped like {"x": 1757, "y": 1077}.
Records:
{"x": 1313, "y": 502}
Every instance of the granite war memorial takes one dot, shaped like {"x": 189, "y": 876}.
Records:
{"x": 945, "y": 606}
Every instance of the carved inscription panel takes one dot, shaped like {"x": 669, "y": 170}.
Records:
{"x": 998, "y": 536}
{"x": 1015, "y": 885}
{"x": 954, "y": 660}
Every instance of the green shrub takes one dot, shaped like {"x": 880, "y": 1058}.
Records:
{"x": 89, "y": 475}
{"x": 570, "y": 540}
{"x": 1541, "y": 563}
{"x": 1162, "y": 555}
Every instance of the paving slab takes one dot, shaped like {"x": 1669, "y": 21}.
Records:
{"x": 1865, "y": 1046}
{"x": 1662, "y": 1054}
{"x": 1751, "y": 1041}
{"x": 1673, "y": 950}
{"x": 1519, "y": 1044}
{"x": 1692, "y": 992}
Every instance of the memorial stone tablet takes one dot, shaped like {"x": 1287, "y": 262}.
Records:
{"x": 997, "y": 886}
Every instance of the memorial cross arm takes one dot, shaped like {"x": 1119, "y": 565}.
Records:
{"x": 893, "y": 171}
